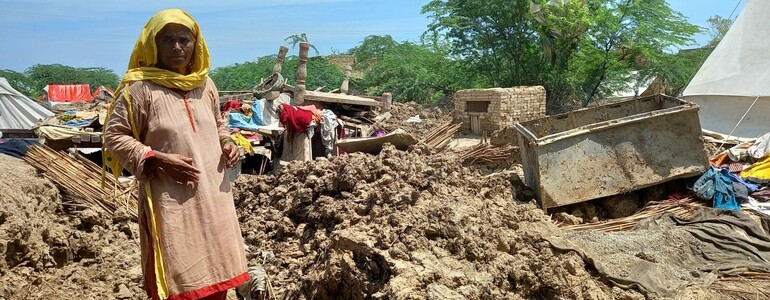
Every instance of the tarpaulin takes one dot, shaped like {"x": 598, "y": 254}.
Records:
{"x": 16, "y": 147}
{"x": 103, "y": 89}
{"x": 711, "y": 241}
{"x": 69, "y": 93}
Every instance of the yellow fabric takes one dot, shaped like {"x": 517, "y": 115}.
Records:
{"x": 759, "y": 170}
{"x": 141, "y": 66}
{"x": 243, "y": 142}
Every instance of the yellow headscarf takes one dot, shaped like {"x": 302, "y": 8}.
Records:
{"x": 145, "y": 54}
{"x": 141, "y": 66}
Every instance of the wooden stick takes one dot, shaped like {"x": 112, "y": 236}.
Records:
{"x": 81, "y": 179}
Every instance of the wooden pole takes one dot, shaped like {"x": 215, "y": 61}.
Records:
{"x": 279, "y": 62}
{"x": 299, "y": 93}
{"x": 387, "y": 101}
{"x": 346, "y": 80}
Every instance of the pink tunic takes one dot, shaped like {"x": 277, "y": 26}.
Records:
{"x": 200, "y": 237}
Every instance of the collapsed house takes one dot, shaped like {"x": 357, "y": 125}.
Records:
{"x": 487, "y": 110}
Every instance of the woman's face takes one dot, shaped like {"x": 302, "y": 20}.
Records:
{"x": 176, "y": 44}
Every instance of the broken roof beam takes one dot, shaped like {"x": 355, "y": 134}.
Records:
{"x": 339, "y": 98}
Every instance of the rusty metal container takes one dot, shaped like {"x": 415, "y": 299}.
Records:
{"x": 611, "y": 149}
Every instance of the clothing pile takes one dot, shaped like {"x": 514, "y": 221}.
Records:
{"x": 79, "y": 119}
{"x": 739, "y": 177}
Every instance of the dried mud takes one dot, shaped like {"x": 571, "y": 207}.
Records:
{"x": 52, "y": 254}
{"x": 399, "y": 225}
{"x": 404, "y": 226}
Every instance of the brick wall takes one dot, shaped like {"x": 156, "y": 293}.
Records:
{"x": 507, "y": 105}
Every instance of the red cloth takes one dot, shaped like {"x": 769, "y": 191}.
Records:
{"x": 230, "y": 105}
{"x": 295, "y": 119}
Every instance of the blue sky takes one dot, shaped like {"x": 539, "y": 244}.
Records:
{"x": 101, "y": 33}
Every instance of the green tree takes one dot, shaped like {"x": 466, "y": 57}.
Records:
{"x": 492, "y": 37}
{"x": 676, "y": 70}
{"x": 628, "y": 35}
{"x": 422, "y": 72}
{"x": 18, "y": 81}
{"x": 371, "y": 50}
{"x": 42, "y": 75}
{"x": 718, "y": 27}
{"x": 244, "y": 76}
{"x": 592, "y": 45}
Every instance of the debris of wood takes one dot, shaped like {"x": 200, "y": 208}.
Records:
{"x": 373, "y": 145}
{"x": 81, "y": 178}
{"x": 383, "y": 117}
{"x": 354, "y": 120}
{"x": 442, "y": 136}
{"x": 487, "y": 153}
{"x": 681, "y": 208}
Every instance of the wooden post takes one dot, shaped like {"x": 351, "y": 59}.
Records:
{"x": 387, "y": 101}
{"x": 279, "y": 62}
{"x": 296, "y": 147}
{"x": 299, "y": 92}
{"x": 346, "y": 80}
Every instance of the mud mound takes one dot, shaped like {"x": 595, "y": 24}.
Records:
{"x": 50, "y": 254}
{"x": 404, "y": 226}
{"x": 432, "y": 118}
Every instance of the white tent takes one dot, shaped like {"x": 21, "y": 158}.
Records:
{"x": 17, "y": 111}
{"x": 735, "y": 75}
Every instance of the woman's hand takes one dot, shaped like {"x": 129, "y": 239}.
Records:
{"x": 178, "y": 167}
{"x": 231, "y": 153}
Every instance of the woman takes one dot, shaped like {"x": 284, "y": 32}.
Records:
{"x": 165, "y": 128}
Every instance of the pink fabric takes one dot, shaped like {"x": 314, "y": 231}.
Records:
{"x": 200, "y": 236}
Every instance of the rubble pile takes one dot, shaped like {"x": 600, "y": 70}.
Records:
{"x": 403, "y": 226}
{"x": 430, "y": 118}
{"x": 49, "y": 253}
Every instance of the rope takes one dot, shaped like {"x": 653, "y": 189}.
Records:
{"x": 739, "y": 122}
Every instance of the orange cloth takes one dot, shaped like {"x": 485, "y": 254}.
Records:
{"x": 720, "y": 159}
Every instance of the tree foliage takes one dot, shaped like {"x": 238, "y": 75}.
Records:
{"x": 19, "y": 81}
{"x": 676, "y": 70}
{"x": 32, "y": 81}
{"x": 492, "y": 37}
{"x": 295, "y": 39}
{"x": 422, "y": 72}
{"x": 590, "y": 46}
{"x": 244, "y": 76}
{"x": 718, "y": 27}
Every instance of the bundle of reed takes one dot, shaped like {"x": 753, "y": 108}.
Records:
{"x": 680, "y": 208}
{"x": 80, "y": 179}
{"x": 486, "y": 153}
{"x": 442, "y": 136}
{"x": 748, "y": 285}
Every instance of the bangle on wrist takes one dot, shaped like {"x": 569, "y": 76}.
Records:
{"x": 225, "y": 141}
